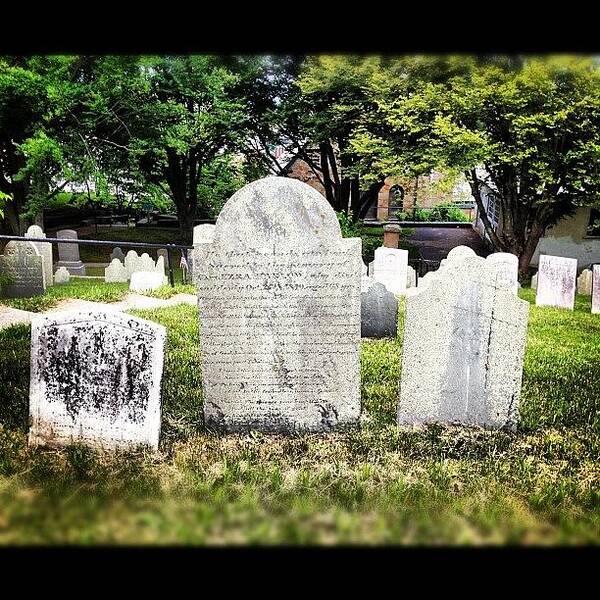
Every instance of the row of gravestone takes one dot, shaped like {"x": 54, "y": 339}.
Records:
{"x": 141, "y": 271}
{"x": 556, "y": 283}
{"x": 279, "y": 297}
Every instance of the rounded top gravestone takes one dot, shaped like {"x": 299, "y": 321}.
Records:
{"x": 35, "y": 231}
{"x": 203, "y": 233}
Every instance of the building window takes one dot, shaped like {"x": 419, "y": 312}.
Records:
{"x": 492, "y": 208}
{"x": 593, "y": 228}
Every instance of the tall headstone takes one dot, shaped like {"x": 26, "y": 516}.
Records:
{"x": 584, "y": 283}
{"x": 391, "y": 266}
{"x": 116, "y": 272}
{"x": 596, "y": 289}
{"x": 45, "y": 249}
{"x": 62, "y": 275}
{"x": 464, "y": 343}
{"x": 378, "y": 310}
{"x": 118, "y": 254}
{"x": 556, "y": 281}
{"x": 95, "y": 378}
{"x": 279, "y": 305}
{"x": 68, "y": 254}
{"x": 23, "y": 266}
{"x": 507, "y": 266}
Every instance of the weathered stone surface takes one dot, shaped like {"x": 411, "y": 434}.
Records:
{"x": 118, "y": 254}
{"x": 556, "y": 281}
{"x": 378, "y": 310}
{"x": 146, "y": 263}
{"x": 23, "y": 265}
{"x": 45, "y": 250}
{"x": 364, "y": 270}
{"x": 279, "y": 304}
{"x": 584, "y": 283}
{"x": 145, "y": 281}
{"x": 95, "y": 378}
{"x": 160, "y": 268}
{"x": 596, "y": 289}
{"x": 371, "y": 269}
{"x": 62, "y": 275}
{"x": 464, "y": 343}
{"x": 116, "y": 272}
{"x": 162, "y": 252}
{"x": 507, "y": 267}
{"x": 68, "y": 254}
{"x": 131, "y": 262}
{"x": 460, "y": 252}
{"x": 203, "y": 234}
{"x": 391, "y": 268}
{"x": 534, "y": 282}
{"x": 411, "y": 277}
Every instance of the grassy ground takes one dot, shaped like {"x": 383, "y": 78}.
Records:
{"x": 378, "y": 484}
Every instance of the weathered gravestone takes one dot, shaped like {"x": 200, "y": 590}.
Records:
{"x": 203, "y": 234}
{"x": 118, "y": 254}
{"x": 507, "y": 266}
{"x": 23, "y": 266}
{"x": 68, "y": 254}
{"x": 378, "y": 310}
{"x": 391, "y": 267}
{"x": 464, "y": 343}
{"x": 145, "y": 281}
{"x": 596, "y": 289}
{"x": 584, "y": 283}
{"x": 132, "y": 261}
{"x": 534, "y": 282}
{"x": 62, "y": 275}
{"x": 146, "y": 263}
{"x": 95, "y": 378}
{"x": 556, "y": 281}
{"x": 279, "y": 304}
{"x": 162, "y": 252}
{"x": 45, "y": 249}
{"x": 160, "y": 269}
{"x": 371, "y": 269}
{"x": 411, "y": 277}
{"x": 116, "y": 272}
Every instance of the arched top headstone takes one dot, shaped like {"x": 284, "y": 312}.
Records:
{"x": 203, "y": 233}
{"x": 277, "y": 210}
{"x": 460, "y": 252}
{"x": 67, "y": 234}
{"x": 35, "y": 231}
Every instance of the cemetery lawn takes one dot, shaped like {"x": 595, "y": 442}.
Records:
{"x": 378, "y": 484}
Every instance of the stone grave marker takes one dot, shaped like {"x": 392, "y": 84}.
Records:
{"x": 68, "y": 254}
{"x": 116, "y": 272}
{"x": 23, "y": 266}
{"x": 279, "y": 306}
{"x": 95, "y": 379}
{"x": 35, "y": 231}
{"x": 556, "y": 281}
{"x": 378, "y": 310}
{"x": 62, "y": 275}
{"x": 202, "y": 234}
{"x": 132, "y": 261}
{"x": 118, "y": 254}
{"x": 596, "y": 289}
{"x": 507, "y": 267}
{"x": 584, "y": 283}
{"x": 534, "y": 282}
{"x": 411, "y": 277}
{"x": 145, "y": 281}
{"x": 391, "y": 266}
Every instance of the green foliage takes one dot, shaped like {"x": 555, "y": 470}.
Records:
{"x": 440, "y": 212}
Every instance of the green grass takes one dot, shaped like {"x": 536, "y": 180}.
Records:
{"x": 377, "y": 484}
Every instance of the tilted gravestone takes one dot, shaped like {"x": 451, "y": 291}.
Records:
{"x": 390, "y": 268}
{"x": 378, "y": 310}
{"x": 507, "y": 265}
{"x": 62, "y": 275}
{"x": 464, "y": 343}
{"x": 596, "y": 289}
{"x": 584, "y": 283}
{"x": 116, "y": 272}
{"x": 279, "y": 306}
{"x": 95, "y": 378}
{"x": 118, "y": 254}
{"x": 68, "y": 254}
{"x": 556, "y": 281}
{"x": 45, "y": 249}
{"x": 23, "y": 266}
{"x": 145, "y": 281}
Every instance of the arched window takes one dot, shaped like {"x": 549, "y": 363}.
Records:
{"x": 396, "y": 200}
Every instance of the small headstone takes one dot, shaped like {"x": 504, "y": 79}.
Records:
{"x": 95, "y": 378}
{"x": 464, "y": 344}
{"x": 411, "y": 277}
{"x": 146, "y": 263}
{"x": 534, "y": 282}
{"x": 145, "y": 281}
{"x": 279, "y": 306}
{"x": 35, "y": 231}
{"x": 202, "y": 234}
{"x": 391, "y": 268}
{"x": 23, "y": 266}
{"x": 131, "y": 262}
{"x": 162, "y": 252}
{"x": 68, "y": 254}
{"x": 62, "y": 275}
{"x": 584, "y": 283}
{"x": 507, "y": 267}
{"x": 556, "y": 281}
{"x": 596, "y": 289}
{"x": 378, "y": 310}
{"x": 118, "y": 254}
{"x": 160, "y": 268}
{"x": 116, "y": 272}
{"x": 371, "y": 269}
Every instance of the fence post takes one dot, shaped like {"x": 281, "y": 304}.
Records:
{"x": 170, "y": 261}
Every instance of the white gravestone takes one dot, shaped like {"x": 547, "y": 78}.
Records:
{"x": 23, "y": 266}
{"x": 95, "y": 378}
{"x": 145, "y": 281}
{"x": 364, "y": 270}
{"x": 146, "y": 263}
{"x": 131, "y": 262}
{"x": 203, "y": 234}
{"x": 162, "y": 252}
{"x": 556, "y": 281}
{"x": 464, "y": 344}
{"x": 534, "y": 282}
{"x": 508, "y": 267}
{"x": 411, "y": 277}
{"x": 116, "y": 272}
{"x": 35, "y": 231}
{"x": 62, "y": 275}
{"x": 68, "y": 254}
{"x": 391, "y": 266}
{"x": 160, "y": 268}
{"x": 596, "y": 289}
{"x": 584, "y": 283}
{"x": 279, "y": 306}
{"x": 371, "y": 269}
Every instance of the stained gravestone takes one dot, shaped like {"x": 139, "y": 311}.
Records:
{"x": 145, "y": 281}
{"x": 45, "y": 249}
{"x": 556, "y": 281}
{"x": 584, "y": 283}
{"x": 118, "y": 254}
{"x": 95, "y": 378}
{"x": 131, "y": 262}
{"x": 411, "y": 277}
{"x": 68, "y": 254}
{"x": 116, "y": 272}
{"x": 62, "y": 275}
{"x": 596, "y": 289}
{"x": 378, "y": 310}
{"x": 23, "y": 266}
{"x": 391, "y": 267}
{"x": 279, "y": 305}
{"x": 464, "y": 343}
{"x": 162, "y": 252}
{"x": 507, "y": 266}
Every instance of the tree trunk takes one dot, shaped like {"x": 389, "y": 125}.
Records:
{"x": 185, "y": 216}
{"x": 537, "y": 231}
